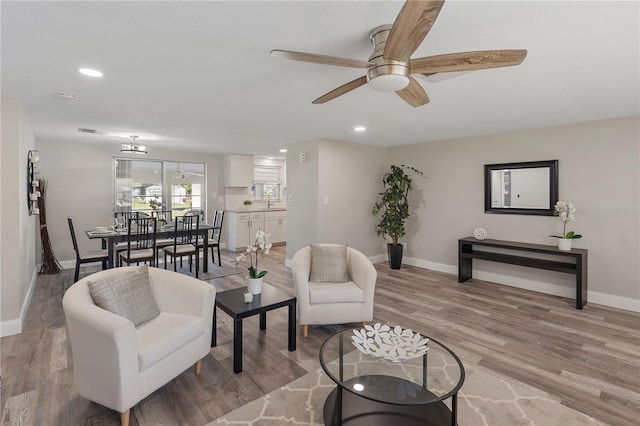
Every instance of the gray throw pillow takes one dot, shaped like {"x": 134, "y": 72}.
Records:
{"x": 328, "y": 263}
{"x": 127, "y": 294}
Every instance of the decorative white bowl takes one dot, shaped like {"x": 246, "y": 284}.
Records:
{"x": 480, "y": 234}
{"x": 391, "y": 344}
{"x": 102, "y": 228}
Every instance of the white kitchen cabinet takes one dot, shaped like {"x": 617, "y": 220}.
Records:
{"x": 238, "y": 170}
{"x": 275, "y": 223}
{"x": 242, "y": 228}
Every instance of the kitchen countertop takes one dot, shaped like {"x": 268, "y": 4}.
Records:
{"x": 280, "y": 209}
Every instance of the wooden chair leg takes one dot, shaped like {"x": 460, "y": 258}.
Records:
{"x": 198, "y": 367}
{"x": 219, "y": 258}
{"x": 305, "y": 329}
{"x": 124, "y": 418}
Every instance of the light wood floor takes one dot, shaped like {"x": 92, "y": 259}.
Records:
{"x": 590, "y": 359}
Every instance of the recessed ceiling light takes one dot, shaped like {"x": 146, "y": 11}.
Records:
{"x": 283, "y": 150}
{"x": 359, "y": 128}
{"x": 90, "y": 72}
{"x": 271, "y": 158}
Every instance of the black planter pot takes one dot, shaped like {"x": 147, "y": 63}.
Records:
{"x": 395, "y": 255}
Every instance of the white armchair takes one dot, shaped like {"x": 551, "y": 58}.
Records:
{"x": 334, "y": 303}
{"x": 116, "y": 364}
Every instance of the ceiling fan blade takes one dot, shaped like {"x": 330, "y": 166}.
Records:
{"x": 467, "y": 61}
{"x": 341, "y": 90}
{"x": 414, "y": 94}
{"x": 411, "y": 27}
{"x": 319, "y": 59}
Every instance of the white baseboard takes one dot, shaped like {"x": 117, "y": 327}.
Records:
{"x": 14, "y": 326}
{"x": 618, "y": 302}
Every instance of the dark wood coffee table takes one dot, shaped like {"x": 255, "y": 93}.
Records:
{"x": 232, "y": 302}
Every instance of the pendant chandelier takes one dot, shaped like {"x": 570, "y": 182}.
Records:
{"x": 133, "y": 147}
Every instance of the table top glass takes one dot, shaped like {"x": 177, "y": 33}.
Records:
{"x": 434, "y": 376}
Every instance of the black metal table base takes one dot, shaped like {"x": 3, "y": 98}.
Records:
{"x": 359, "y": 411}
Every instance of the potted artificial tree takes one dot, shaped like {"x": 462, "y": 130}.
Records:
{"x": 393, "y": 208}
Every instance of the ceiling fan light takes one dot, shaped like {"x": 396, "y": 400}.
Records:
{"x": 389, "y": 83}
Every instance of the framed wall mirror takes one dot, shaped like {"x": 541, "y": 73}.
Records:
{"x": 529, "y": 188}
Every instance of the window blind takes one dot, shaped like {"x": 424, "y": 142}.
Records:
{"x": 266, "y": 174}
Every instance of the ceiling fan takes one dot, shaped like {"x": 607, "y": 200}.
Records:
{"x": 179, "y": 174}
{"x": 389, "y": 67}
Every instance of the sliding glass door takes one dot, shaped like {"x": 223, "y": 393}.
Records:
{"x": 154, "y": 186}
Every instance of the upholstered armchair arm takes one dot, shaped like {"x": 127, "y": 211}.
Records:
{"x": 104, "y": 348}
{"x": 182, "y": 294}
{"x": 363, "y": 273}
{"x": 185, "y": 295}
{"x": 301, "y": 269}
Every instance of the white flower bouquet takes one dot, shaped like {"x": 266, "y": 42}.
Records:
{"x": 565, "y": 212}
{"x": 260, "y": 248}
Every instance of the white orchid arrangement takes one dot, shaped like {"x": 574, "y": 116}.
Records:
{"x": 565, "y": 212}
{"x": 260, "y": 248}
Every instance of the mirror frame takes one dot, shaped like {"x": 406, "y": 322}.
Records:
{"x": 552, "y": 165}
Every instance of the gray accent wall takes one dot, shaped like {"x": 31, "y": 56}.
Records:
{"x": 598, "y": 173}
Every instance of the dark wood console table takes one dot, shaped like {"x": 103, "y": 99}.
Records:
{"x": 574, "y": 262}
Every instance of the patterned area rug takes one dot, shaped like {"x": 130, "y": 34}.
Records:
{"x": 485, "y": 399}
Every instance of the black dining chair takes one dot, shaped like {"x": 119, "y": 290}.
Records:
{"x": 185, "y": 244}
{"x": 164, "y": 218}
{"x": 88, "y": 257}
{"x": 141, "y": 241}
{"x": 214, "y": 239}
{"x": 123, "y": 217}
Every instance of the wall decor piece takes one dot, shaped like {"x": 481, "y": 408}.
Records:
{"x": 393, "y": 344}
{"x": 50, "y": 264}
{"x": 529, "y": 188}
{"x": 480, "y": 234}
{"x": 33, "y": 185}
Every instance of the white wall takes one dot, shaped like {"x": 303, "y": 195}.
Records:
{"x": 350, "y": 178}
{"x": 332, "y": 194}
{"x": 598, "y": 173}
{"x": 18, "y": 262}
{"x": 302, "y": 195}
{"x": 80, "y": 179}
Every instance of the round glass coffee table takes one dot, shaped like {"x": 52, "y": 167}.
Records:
{"x": 374, "y": 390}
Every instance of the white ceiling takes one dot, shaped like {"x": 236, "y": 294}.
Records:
{"x": 198, "y": 75}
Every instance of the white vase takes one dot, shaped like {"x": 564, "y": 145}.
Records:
{"x": 254, "y": 285}
{"x": 564, "y": 244}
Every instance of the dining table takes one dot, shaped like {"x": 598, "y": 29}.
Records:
{"x": 111, "y": 237}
